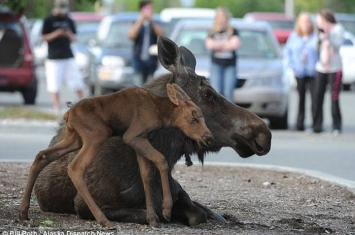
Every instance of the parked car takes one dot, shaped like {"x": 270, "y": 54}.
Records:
{"x": 347, "y": 52}
{"x": 282, "y": 25}
{"x": 263, "y": 86}
{"x": 111, "y": 53}
{"x": 170, "y": 16}
{"x": 17, "y": 68}
{"x": 347, "y": 20}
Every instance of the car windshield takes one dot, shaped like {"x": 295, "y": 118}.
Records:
{"x": 348, "y": 25}
{"x": 281, "y": 24}
{"x": 11, "y": 44}
{"x": 117, "y": 36}
{"x": 84, "y": 35}
{"x": 254, "y": 43}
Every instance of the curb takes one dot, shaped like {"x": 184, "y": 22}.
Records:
{"x": 28, "y": 122}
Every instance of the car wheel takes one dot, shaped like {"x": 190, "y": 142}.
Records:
{"x": 346, "y": 87}
{"x": 279, "y": 123}
{"x": 29, "y": 93}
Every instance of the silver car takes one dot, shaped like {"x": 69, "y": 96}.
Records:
{"x": 263, "y": 83}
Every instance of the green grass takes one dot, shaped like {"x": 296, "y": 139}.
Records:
{"x": 24, "y": 112}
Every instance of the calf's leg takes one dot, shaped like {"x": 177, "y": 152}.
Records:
{"x": 70, "y": 143}
{"x": 144, "y": 148}
{"x": 146, "y": 176}
{"x": 77, "y": 169}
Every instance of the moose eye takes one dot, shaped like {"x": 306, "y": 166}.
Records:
{"x": 208, "y": 96}
{"x": 194, "y": 121}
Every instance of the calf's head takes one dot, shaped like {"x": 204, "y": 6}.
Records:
{"x": 188, "y": 116}
{"x": 231, "y": 125}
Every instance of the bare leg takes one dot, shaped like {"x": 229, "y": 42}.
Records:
{"x": 56, "y": 103}
{"x": 146, "y": 176}
{"x": 70, "y": 143}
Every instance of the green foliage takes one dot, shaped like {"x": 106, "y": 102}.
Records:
{"x": 47, "y": 223}
{"x": 239, "y": 7}
{"x": 14, "y": 5}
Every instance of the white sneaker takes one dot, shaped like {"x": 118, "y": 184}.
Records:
{"x": 336, "y": 132}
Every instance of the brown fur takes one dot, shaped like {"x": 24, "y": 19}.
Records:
{"x": 113, "y": 177}
{"x": 133, "y": 114}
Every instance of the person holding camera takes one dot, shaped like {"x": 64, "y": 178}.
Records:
{"x": 329, "y": 69}
{"x": 144, "y": 33}
{"x": 59, "y": 31}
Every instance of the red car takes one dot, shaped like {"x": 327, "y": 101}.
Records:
{"x": 281, "y": 23}
{"x": 17, "y": 69}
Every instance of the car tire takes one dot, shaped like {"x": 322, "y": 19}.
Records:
{"x": 29, "y": 93}
{"x": 279, "y": 123}
{"x": 346, "y": 87}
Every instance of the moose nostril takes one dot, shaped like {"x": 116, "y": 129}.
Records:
{"x": 258, "y": 147}
{"x": 208, "y": 140}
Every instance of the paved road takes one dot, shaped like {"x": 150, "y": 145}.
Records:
{"x": 321, "y": 152}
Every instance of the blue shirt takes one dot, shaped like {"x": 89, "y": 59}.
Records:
{"x": 301, "y": 55}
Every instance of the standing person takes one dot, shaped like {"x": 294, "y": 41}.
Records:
{"x": 59, "y": 31}
{"x": 223, "y": 41}
{"x": 144, "y": 33}
{"x": 301, "y": 57}
{"x": 329, "y": 68}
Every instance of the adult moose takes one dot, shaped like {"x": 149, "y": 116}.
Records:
{"x": 113, "y": 177}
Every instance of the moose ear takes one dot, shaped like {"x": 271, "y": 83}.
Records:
{"x": 187, "y": 58}
{"x": 172, "y": 94}
{"x": 168, "y": 54}
{"x": 181, "y": 93}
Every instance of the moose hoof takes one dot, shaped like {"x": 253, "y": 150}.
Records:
{"x": 107, "y": 224}
{"x": 167, "y": 217}
{"x": 23, "y": 216}
{"x": 153, "y": 221}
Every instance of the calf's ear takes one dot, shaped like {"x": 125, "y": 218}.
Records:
{"x": 168, "y": 54}
{"x": 181, "y": 93}
{"x": 172, "y": 94}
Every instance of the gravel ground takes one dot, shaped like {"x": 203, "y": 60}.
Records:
{"x": 254, "y": 201}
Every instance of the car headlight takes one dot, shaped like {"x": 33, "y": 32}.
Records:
{"x": 81, "y": 59}
{"x": 113, "y": 61}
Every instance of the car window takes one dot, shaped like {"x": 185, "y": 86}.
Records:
{"x": 281, "y": 24}
{"x": 254, "y": 43}
{"x": 347, "y": 42}
{"x": 349, "y": 25}
{"x": 11, "y": 43}
{"x": 117, "y": 35}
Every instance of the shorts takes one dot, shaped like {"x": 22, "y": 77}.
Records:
{"x": 63, "y": 70}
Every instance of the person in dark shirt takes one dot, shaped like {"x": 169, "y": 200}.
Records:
{"x": 144, "y": 33}
{"x": 59, "y": 31}
{"x": 223, "y": 41}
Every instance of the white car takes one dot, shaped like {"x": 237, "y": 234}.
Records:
{"x": 347, "y": 52}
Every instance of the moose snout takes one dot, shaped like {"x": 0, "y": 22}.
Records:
{"x": 208, "y": 139}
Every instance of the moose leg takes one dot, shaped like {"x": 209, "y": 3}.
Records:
{"x": 143, "y": 147}
{"x": 70, "y": 143}
{"x": 146, "y": 176}
{"x": 77, "y": 169}
{"x": 190, "y": 212}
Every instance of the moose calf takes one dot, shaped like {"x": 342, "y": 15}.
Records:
{"x": 132, "y": 113}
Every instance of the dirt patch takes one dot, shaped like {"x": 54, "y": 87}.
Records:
{"x": 254, "y": 201}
